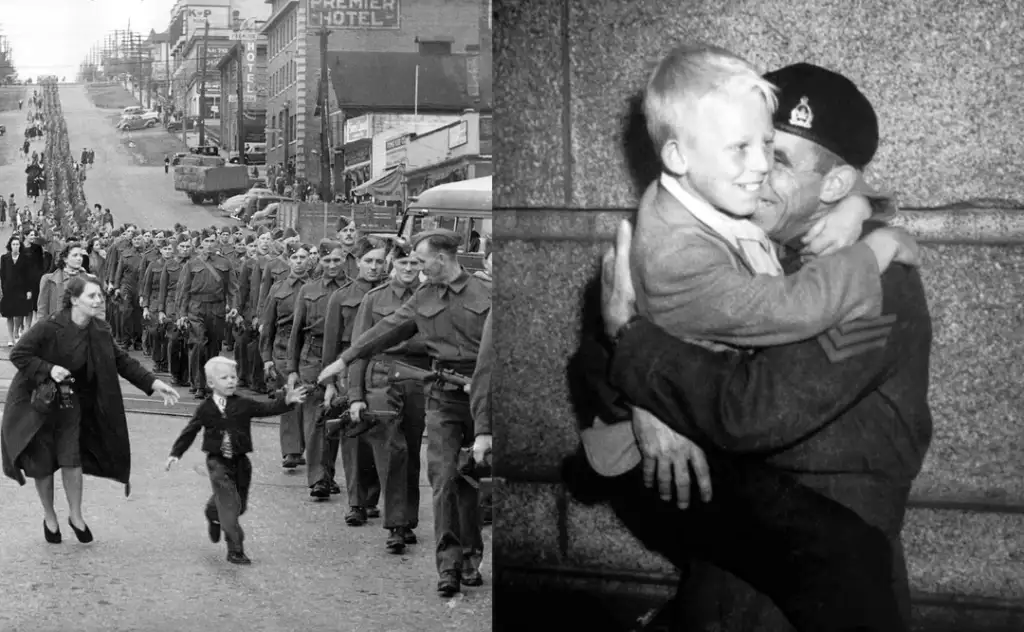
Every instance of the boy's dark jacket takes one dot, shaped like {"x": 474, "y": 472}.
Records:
{"x": 239, "y": 412}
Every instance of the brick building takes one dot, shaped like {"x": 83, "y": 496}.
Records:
{"x": 253, "y": 54}
{"x": 431, "y": 28}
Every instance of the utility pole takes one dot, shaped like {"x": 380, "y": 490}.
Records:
{"x": 202, "y": 88}
{"x": 325, "y": 158}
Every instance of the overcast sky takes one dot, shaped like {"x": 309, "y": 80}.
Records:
{"x": 52, "y": 37}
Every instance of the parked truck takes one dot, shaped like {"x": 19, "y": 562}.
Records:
{"x": 208, "y": 178}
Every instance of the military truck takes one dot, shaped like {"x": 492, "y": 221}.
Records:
{"x": 208, "y": 178}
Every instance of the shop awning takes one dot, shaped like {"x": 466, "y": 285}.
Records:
{"x": 386, "y": 187}
{"x": 467, "y": 195}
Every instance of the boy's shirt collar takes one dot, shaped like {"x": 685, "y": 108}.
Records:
{"x": 732, "y": 229}
{"x": 738, "y": 232}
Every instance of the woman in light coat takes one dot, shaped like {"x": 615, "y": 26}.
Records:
{"x": 53, "y": 285}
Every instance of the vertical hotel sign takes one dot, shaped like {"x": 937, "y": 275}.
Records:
{"x": 247, "y": 35}
{"x": 371, "y": 15}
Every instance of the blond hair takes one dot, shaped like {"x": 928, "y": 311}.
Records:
{"x": 217, "y": 361}
{"x": 688, "y": 74}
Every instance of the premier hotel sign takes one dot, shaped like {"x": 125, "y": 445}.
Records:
{"x": 355, "y": 14}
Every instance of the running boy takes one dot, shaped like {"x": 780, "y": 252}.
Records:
{"x": 227, "y": 439}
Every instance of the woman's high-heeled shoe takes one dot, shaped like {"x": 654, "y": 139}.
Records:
{"x": 53, "y": 537}
{"x": 84, "y": 535}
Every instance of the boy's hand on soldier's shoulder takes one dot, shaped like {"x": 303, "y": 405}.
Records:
{"x": 840, "y": 228}
{"x": 170, "y": 461}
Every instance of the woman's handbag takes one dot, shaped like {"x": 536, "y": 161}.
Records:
{"x": 49, "y": 395}
{"x": 44, "y": 396}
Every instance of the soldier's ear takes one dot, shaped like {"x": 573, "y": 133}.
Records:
{"x": 838, "y": 183}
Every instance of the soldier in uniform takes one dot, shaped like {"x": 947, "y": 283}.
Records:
{"x": 126, "y": 287}
{"x": 348, "y": 235}
{"x": 275, "y": 269}
{"x": 361, "y": 480}
{"x": 396, "y": 442}
{"x": 449, "y": 310}
{"x": 206, "y": 291}
{"x": 153, "y": 243}
{"x": 151, "y": 308}
{"x": 246, "y": 304}
{"x": 276, "y": 321}
{"x": 167, "y": 311}
{"x": 120, "y": 239}
{"x": 480, "y": 406}
{"x": 305, "y": 360}
{"x": 260, "y": 256}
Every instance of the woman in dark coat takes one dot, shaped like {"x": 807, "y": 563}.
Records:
{"x": 32, "y": 247}
{"x": 17, "y": 303}
{"x": 84, "y": 432}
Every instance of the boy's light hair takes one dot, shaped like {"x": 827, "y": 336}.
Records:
{"x": 688, "y": 74}
{"x": 219, "y": 361}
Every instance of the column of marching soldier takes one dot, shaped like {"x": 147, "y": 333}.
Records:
{"x": 385, "y": 333}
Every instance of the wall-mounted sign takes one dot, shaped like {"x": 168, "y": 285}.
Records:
{"x": 396, "y": 143}
{"x": 357, "y": 128}
{"x": 370, "y": 15}
{"x": 197, "y": 16}
{"x": 458, "y": 135}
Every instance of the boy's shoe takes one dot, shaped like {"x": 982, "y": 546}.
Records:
{"x": 356, "y": 516}
{"x": 373, "y": 512}
{"x": 395, "y": 542}
{"x": 471, "y": 577}
{"x": 335, "y": 488}
{"x": 237, "y": 557}
{"x": 409, "y": 535}
{"x": 448, "y": 584}
{"x": 213, "y": 528}
{"x": 320, "y": 491}
{"x": 291, "y": 461}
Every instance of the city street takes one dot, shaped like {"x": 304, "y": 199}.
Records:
{"x": 152, "y": 567}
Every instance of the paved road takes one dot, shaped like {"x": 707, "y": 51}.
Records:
{"x": 152, "y": 568}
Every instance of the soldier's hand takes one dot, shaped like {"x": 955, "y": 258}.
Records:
{"x": 182, "y": 321}
{"x": 261, "y": 329}
{"x": 162, "y": 317}
{"x": 618, "y": 298}
{"x": 145, "y": 314}
{"x": 140, "y": 301}
{"x": 329, "y": 394}
{"x": 356, "y": 409}
{"x": 293, "y": 379}
{"x": 670, "y": 455}
{"x": 269, "y": 369}
{"x": 481, "y": 447}
{"x": 468, "y": 389}
{"x": 170, "y": 461}
{"x": 232, "y": 313}
{"x": 332, "y": 369}
{"x": 117, "y": 293}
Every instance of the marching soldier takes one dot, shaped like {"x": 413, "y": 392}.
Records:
{"x": 348, "y": 235}
{"x": 151, "y": 307}
{"x": 305, "y": 360}
{"x": 361, "y": 479}
{"x": 395, "y": 443}
{"x": 449, "y": 310}
{"x": 153, "y": 242}
{"x": 276, "y": 322}
{"x": 206, "y": 291}
{"x": 248, "y": 308}
{"x": 275, "y": 269}
{"x": 480, "y": 405}
{"x": 126, "y": 288}
{"x": 167, "y": 312}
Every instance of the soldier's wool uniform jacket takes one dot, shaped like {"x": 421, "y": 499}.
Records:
{"x": 129, "y": 272}
{"x": 168, "y": 291}
{"x": 341, "y": 317}
{"x": 845, "y": 412}
{"x": 249, "y": 286}
{"x": 198, "y": 284}
{"x": 378, "y": 304}
{"x": 306, "y": 346}
{"x": 277, "y": 320}
{"x": 480, "y": 391}
{"x": 270, "y": 273}
{"x": 450, "y": 317}
{"x": 150, "y": 292}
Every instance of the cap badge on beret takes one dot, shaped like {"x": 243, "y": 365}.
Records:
{"x": 801, "y": 115}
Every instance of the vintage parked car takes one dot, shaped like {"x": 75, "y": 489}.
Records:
{"x": 134, "y": 123}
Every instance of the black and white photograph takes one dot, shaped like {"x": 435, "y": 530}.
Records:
{"x": 757, "y": 320}
{"x": 246, "y": 372}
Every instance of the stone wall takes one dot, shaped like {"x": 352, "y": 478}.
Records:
{"x": 946, "y": 80}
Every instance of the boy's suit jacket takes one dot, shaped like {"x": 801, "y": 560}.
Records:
{"x": 238, "y": 416}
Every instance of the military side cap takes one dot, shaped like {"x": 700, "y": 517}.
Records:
{"x": 826, "y": 108}
{"x": 277, "y": 234}
{"x": 290, "y": 232}
{"x": 448, "y": 238}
